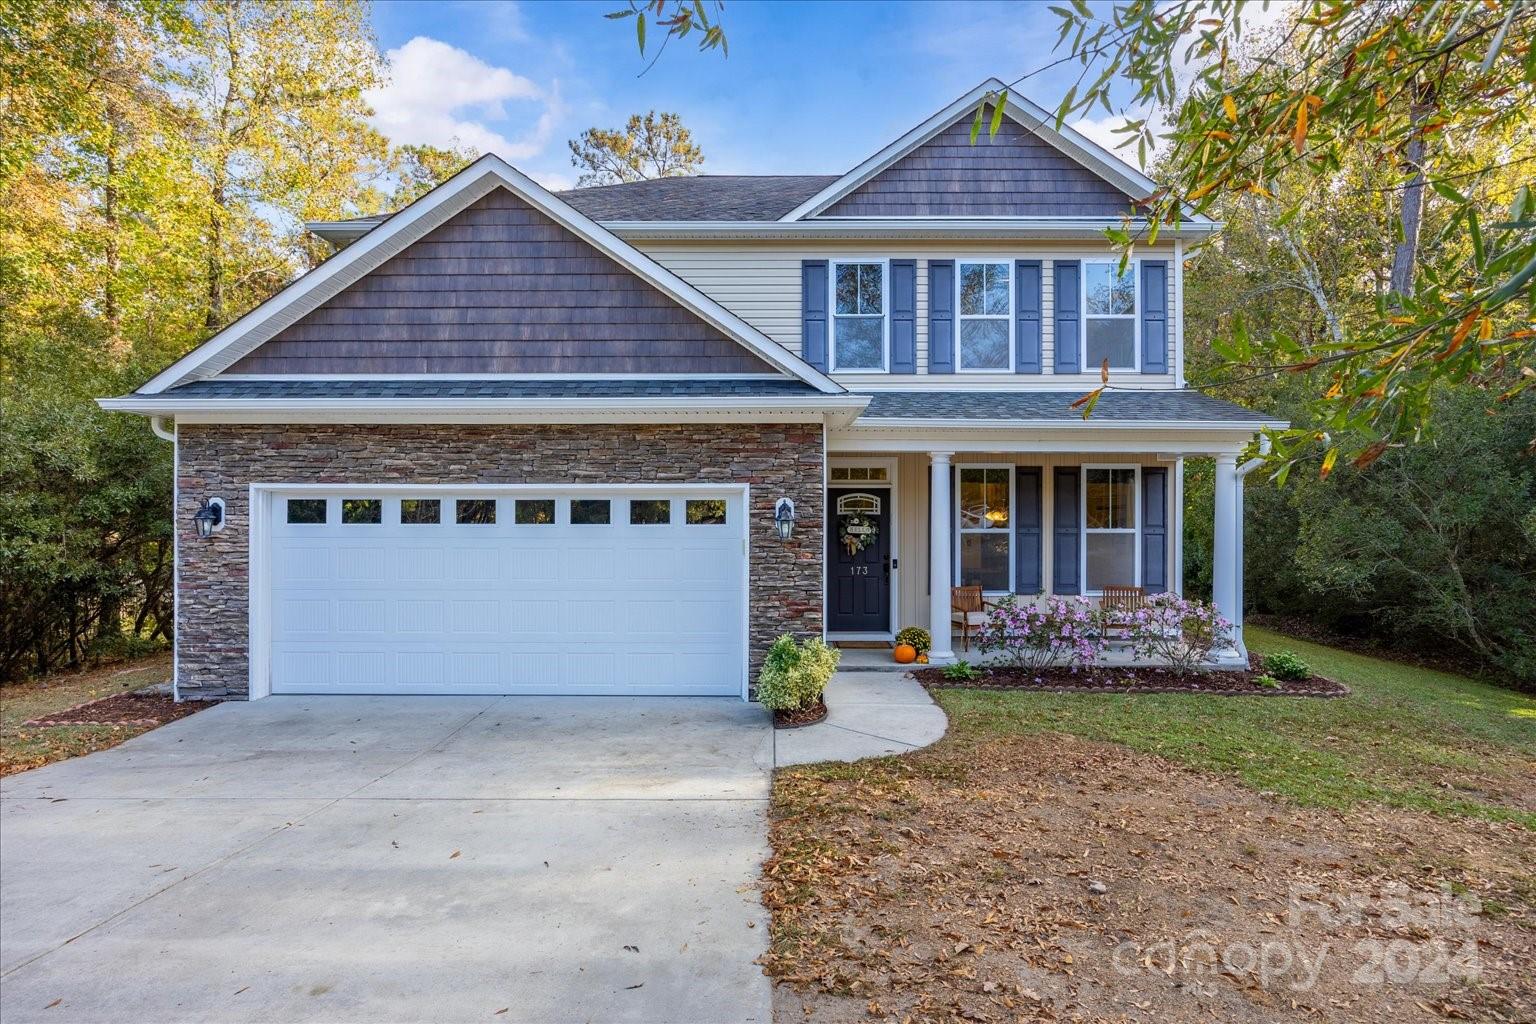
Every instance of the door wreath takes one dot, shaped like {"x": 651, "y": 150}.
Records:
{"x": 856, "y": 532}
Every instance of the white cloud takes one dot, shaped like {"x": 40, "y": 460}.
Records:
{"x": 1102, "y": 131}
{"x": 441, "y": 95}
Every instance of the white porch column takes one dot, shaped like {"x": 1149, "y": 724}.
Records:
{"x": 940, "y": 572}
{"x": 1225, "y": 566}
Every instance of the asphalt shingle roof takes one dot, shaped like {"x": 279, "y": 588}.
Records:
{"x": 422, "y": 388}
{"x": 1118, "y": 406}
{"x": 744, "y": 197}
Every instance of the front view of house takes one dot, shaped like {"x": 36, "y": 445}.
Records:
{"x": 616, "y": 440}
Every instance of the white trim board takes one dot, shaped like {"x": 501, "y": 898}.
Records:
{"x": 415, "y": 221}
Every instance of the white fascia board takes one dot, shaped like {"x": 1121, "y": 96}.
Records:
{"x": 1036, "y": 437}
{"x": 841, "y": 408}
{"x": 905, "y": 228}
{"x": 410, "y": 224}
{"x": 1027, "y": 113}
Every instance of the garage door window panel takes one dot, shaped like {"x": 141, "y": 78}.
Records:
{"x": 306, "y": 511}
{"x": 590, "y": 512}
{"x": 534, "y": 512}
{"x": 420, "y": 511}
{"x": 650, "y": 512}
{"x": 475, "y": 512}
{"x": 705, "y": 512}
{"x": 362, "y": 511}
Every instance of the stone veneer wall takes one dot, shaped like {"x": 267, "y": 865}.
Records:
{"x": 785, "y": 594}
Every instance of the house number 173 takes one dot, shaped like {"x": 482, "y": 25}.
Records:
{"x": 858, "y": 570}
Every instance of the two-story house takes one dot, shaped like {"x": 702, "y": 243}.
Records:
{"x": 618, "y": 439}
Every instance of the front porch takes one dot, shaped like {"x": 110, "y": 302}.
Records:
{"x": 1029, "y": 516}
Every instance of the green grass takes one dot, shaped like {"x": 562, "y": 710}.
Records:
{"x": 23, "y": 747}
{"x": 1408, "y": 737}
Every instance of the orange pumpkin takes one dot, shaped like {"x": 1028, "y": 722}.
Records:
{"x": 906, "y": 654}
{"x": 922, "y": 659}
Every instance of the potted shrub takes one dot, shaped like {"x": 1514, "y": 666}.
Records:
{"x": 918, "y": 639}
{"x": 793, "y": 678}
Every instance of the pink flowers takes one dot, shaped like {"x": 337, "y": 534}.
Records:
{"x": 1179, "y": 632}
{"x": 1034, "y": 636}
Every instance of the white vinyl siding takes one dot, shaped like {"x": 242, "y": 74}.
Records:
{"x": 760, "y": 282}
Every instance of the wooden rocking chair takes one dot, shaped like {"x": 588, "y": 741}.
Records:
{"x": 1120, "y": 605}
{"x": 968, "y": 608}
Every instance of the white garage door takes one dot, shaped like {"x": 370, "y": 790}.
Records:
{"x": 581, "y": 591}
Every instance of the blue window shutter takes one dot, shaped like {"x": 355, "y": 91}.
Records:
{"x": 1069, "y": 317}
{"x": 1026, "y": 534}
{"x": 813, "y": 313}
{"x": 1154, "y": 316}
{"x": 1027, "y": 317}
{"x": 941, "y": 316}
{"x": 1066, "y": 532}
{"x": 903, "y": 316}
{"x": 1154, "y": 529}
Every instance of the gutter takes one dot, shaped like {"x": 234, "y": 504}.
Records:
{"x": 917, "y": 228}
{"x": 895, "y": 423}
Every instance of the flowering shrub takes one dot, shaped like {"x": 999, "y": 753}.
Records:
{"x": 1034, "y": 636}
{"x": 1183, "y": 633}
{"x": 918, "y": 637}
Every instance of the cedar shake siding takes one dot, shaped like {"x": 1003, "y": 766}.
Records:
{"x": 785, "y": 577}
{"x": 1012, "y": 174}
{"x": 500, "y": 288}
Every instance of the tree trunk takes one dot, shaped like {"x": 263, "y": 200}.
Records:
{"x": 111, "y": 308}
{"x": 1406, "y": 256}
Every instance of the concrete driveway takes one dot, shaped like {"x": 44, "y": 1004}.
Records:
{"x": 396, "y": 859}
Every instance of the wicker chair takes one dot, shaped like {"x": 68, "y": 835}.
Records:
{"x": 968, "y": 608}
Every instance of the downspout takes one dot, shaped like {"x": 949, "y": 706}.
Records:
{"x": 157, "y": 425}
{"x": 1242, "y": 472}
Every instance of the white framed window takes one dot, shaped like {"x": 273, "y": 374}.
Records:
{"x": 984, "y": 308}
{"x": 1111, "y": 321}
{"x": 860, "y": 332}
{"x": 1111, "y": 527}
{"x": 984, "y": 514}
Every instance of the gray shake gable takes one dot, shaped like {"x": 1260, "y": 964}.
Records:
{"x": 1012, "y": 174}
{"x": 500, "y": 288}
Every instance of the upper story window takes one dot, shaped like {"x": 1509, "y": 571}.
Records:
{"x": 1110, "y": 303}
{"x": 986, "y": 316}
{"x": 858, "y": 316}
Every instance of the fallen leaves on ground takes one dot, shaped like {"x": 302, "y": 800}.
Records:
{"x": 964, "y": 883}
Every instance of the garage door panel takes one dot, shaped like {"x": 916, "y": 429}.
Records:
{"x": 508, "y": 607}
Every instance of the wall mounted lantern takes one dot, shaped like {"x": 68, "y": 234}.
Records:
{"x": 784, "y": 518}
{"x": 209, "y": 517}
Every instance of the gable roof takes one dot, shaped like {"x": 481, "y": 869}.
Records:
{"x": 702, "y": 197}
{"x": 1030, "y": 115}
{"x": 410, "y": 224}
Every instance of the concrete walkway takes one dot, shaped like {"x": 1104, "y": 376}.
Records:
{"x": 870, "y": 714}
{"x": 393, "y": 859}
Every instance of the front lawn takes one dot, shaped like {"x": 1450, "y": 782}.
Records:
{"x": 1053, "y": 852}
{"x": 1408, "y": 737}
{"x": 23, "y": 747}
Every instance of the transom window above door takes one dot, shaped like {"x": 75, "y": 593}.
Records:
{"x": 985, "y": 500}
{"x": 858, "y": 316}
{"x": 1109, "y": 316}
{"x": 986, "y": 315}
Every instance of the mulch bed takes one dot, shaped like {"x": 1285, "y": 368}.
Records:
{"x": 804, "y": 716}
{"x": 1105, "y": 679}
{"x": 123, "y": 709}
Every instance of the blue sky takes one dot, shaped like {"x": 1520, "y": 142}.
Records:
{"x": 808, "y": 87}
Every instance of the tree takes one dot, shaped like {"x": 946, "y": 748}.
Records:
{"x": 1414, "y": 89}
{"x": 420, "y": 169}
{"x": 653, "y": 146}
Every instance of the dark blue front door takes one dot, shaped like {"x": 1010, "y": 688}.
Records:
{"x": 859, "y": 581}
